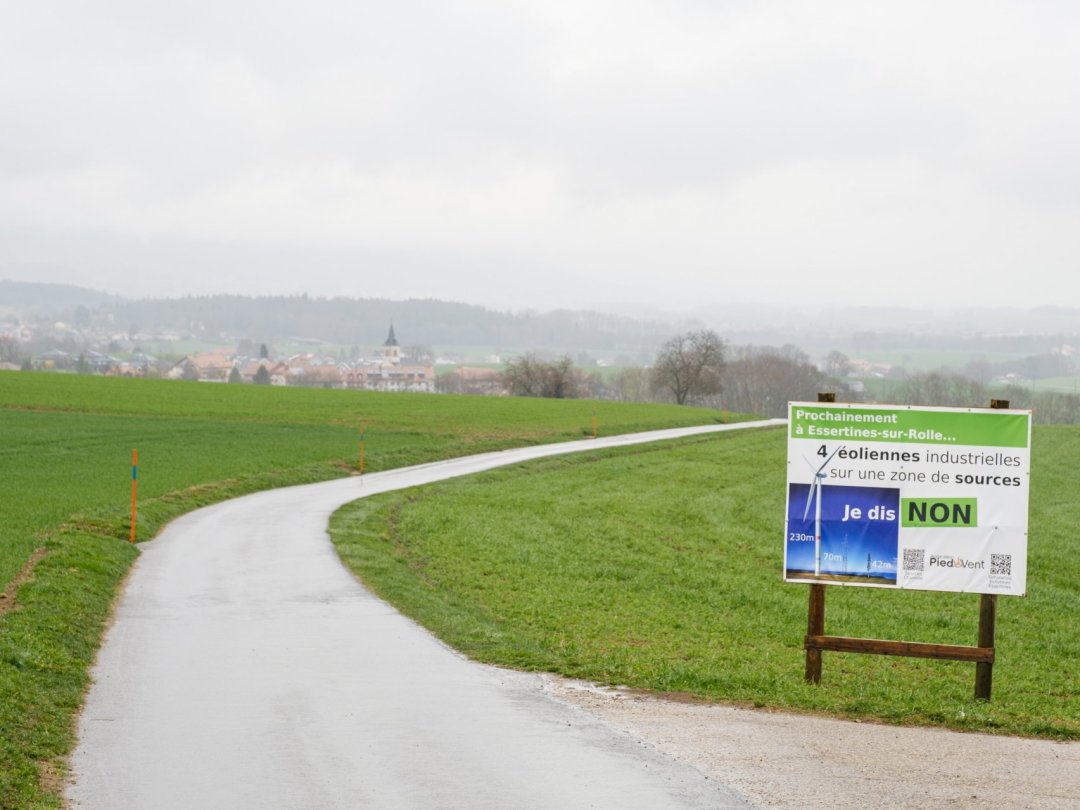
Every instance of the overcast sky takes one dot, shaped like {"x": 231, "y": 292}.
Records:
{"x": 545, "y": 154}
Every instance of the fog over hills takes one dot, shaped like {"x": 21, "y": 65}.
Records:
{"x": 364, "y": 321}
{"x": 45, "y": 300}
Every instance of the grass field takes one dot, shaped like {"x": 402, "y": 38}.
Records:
{"x": 65, "y": 459}
{"x": 660, "y": 567}
{"x": 1061, "y": 385}
{"x": 878, "y": 390}
{"x": 919, "y": 360}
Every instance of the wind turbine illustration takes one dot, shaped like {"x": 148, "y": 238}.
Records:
{"x": 815, "y": 489}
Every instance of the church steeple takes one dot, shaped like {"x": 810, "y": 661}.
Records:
{"x": 391, "y": 350}
{"x": 391, "y": 340}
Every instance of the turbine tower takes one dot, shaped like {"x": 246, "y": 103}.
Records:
{"x": 815, "y": 489}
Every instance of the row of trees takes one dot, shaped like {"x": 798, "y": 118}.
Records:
{"x": 691, "y": 368}
{"x": 763, "y": 379}
{"x": 698, "y": 368}
{"x": 950, "y": 388}
{"x": 529, "y": 376}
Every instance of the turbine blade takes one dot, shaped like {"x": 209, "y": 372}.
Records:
{"x": 826, "y": 461}
{"x": 809, "y": 499}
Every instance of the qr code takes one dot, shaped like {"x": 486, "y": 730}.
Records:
{"x": 1001, "y": 564}
{"x": 914, "y": 559}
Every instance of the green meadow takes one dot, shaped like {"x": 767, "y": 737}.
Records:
{"x": 65, "y": 461}
{"x": 68, "y": 440}
{"x": 659, "y": 567}
{"x": 1060, "y": 385}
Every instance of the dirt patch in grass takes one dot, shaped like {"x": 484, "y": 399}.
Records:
{"x": 52, "y": 777}
{"x": 26, "y": 573}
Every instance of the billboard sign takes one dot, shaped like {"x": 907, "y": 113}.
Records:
{"x": 908, "y": 497}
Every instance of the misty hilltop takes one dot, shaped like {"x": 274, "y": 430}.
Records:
{"x": 633, "y": 333}
{"x": 338, "y": 320}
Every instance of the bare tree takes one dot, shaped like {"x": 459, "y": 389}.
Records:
{"x": 595, "y": 385}
{"x": 837, "y": 364}
{"x": 529, "y": 376}
{"x": 9, "y": 349}
{"x": 763, "y": 379}
{"x": 632, "y": 385}
{"x": 419, "y": 353}
{"x": 524, "y": 376}
{"x": 941, "y": 388}
{"x": 689, "y": 366}
{"x": 563, "y": 381}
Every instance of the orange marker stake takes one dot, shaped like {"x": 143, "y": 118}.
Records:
{"x": 594, "y": 423}
{"x": 134, "y": 489}
{"x": 361, "y": 452}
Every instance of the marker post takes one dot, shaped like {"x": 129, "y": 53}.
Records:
{"x": 361, "y": 451}
{"x": 134, "y": 490}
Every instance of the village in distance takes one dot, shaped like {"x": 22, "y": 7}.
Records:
{"x": 428, "y": 346}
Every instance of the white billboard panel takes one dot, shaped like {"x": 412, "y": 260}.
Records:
{"x": 908, "y": 497}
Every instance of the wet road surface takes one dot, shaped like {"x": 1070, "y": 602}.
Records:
{"x": 247, "y": 668}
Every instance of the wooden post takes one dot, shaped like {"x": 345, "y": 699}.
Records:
{"x": 815, "y": 627}
{"x": 984, "y": 670}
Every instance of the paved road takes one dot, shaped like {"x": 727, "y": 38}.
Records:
{"x": 247, "y": 669}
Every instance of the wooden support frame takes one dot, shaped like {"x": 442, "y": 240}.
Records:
{"x": 909, "y": 649}
{"x": 816, "y": 642}
{"x": 982, "y": 655}
{"x": 815, "y": 628}
{"x": 984, "y": 670}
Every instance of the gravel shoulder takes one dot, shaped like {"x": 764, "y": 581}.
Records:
{"x": 780, "y": 760}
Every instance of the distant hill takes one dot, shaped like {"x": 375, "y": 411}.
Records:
{"x": 50, "y": 300}
{"x": 634, "y": 335}
{"x": 366, "y": 321}
{"x": 343, "y": 321}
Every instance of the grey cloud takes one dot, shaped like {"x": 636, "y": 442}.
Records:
{"x": 594, "y": 139}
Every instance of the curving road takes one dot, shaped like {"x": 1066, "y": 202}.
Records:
{"x": 246, "y": 668}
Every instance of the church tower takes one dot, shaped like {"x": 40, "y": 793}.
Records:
{"x": 391, "y": 351}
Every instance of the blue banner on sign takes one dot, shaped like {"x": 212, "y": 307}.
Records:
{"x": 860, "y": 529}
